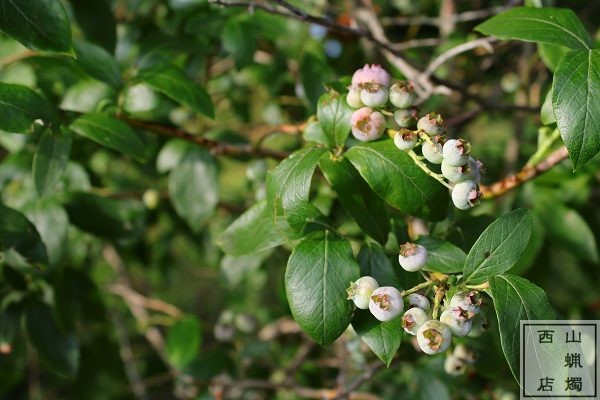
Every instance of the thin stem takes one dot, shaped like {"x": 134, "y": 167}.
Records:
{"x": 482, "y": 286}
{"x": 416, "y": 288}
{"x": 423, "y": 166}
{"x": 437, "y": 301}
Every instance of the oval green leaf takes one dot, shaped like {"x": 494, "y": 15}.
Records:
{"x": 37, "y": 24}
{"x": 357, "y": 198}
{"x": 20, "y": 107}
{"x": 373, "y": 262}
{"x": 557, "y": 26}
{"x": 17, "y": 233}
{"x": 334, "y": 116}
{"x": 183, "y": 341}
{"x": 110, "y": 132}
{"x": 383, "y": 338}
{"x": 50, "y": 160}
{"x": 98, "y": 63}
{"x": 442, "y": 256}
{"x": 318, "y": 272}
{"x": 575, "y": 94}
{"x": 393, "y": 175}
{"x": 499, "y": 247}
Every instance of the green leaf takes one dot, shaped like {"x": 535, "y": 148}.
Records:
{"x": 568, "y": 229}
{"x": 442, "y": 256}
{"x": 314, "y": 133}
{"x": 174, "y": 84}
{"x": 98, "y": 63}
{"x": 110, "y": 132}
{"x": 37, "y": 24}
{"x": 556, "y": 26}
{"x": 239, "y": 39}
{"x": 193, "y": 187}
{"x": 52, "y": 223}
{"x": 20, "y": 107}
{"x": 551, "y": 54}
{"x": 393, "y": 175}
{"x": 96, "y": 20}
{"x": 547, "y": 112}
{"x": 318, "y": 272}
{"x": 58, "y": 349}
{"x": 251, "y": 232}
{"x": 288, "y": 185}
{"x": 183, "y": 341}
{"x": 313, "y": 72}
{"x": 575, "y": 94}
{"x": 357, "y": 198}
{"x": 108, "y": 218}
{"x": 17, "y": 233}
{"x": 334, "y": 116}
{"x": 171, "y": 155}
{"x": 499, "y": 246}
{"x": 517, "y": 299}
{"x": 50, "y": 160}
{"x": 383, "y": 338}
{"x": 373, "y": 262}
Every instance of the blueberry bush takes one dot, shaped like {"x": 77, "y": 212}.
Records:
{"x": 218, "y": 199}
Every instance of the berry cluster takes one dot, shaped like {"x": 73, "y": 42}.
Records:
{"x": 461, "y": 314}
{"x": 369, "y": 93}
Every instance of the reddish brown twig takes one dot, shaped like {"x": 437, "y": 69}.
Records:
{"x": 526, "y": 174}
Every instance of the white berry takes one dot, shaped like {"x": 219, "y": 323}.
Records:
{"x": 353, "y": 98}
{"x": 465, "y": 194}
{"x": 374, "y": 97}
{"x": 456, "y": 152}
{"x": 402, "y": 95}
{"x": 360, "y": 291}
{"x": 386, "y": 303}
{"x": 431, "y": 153}
{"x": 469, "y": 301}
{"x": 458, "y": 320}
{"x": 418, "y": 300}
{"x": 412, "y": 256}
{"x": 405, "y": 117}
{"x": 455, "y": 174}
{"x": 413, "y": 319}
{"x": 434, "y": 337}
{"x": 432, "y": 124}
{"x": 454, "y": 366}
{"x": 367, "y": 124}
{"x": 405, "y": 140}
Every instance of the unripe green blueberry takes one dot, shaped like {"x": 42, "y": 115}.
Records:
{"x": 465, "y": 194}
{"x": 413, "y": 319}
{"x": 418, "y": 300}
{"x": 480, "y": 325}
{"x": 360, "y": 291}
{"x": 405, "y": 139}
{"x": 454, "y": 366}
{"x": 405, "y": 117}
{"x": 469, "y": 301}
{"x": 412, "y": 256}
{"x": 456, "y": 152}
{"x": 475, "y": 169}
{"x": 402, "y": 95}
{"x": 151, "y": 199}
{"x": 353, "y": 98}
{"x": 432, "y": 152}
{"x": 434, "y": 337}
{"x": 386, "y": 303}
{"x": 367, "y": 125}
{"x": 458, "y": 320}
{"x": 432, "y": 124}
{"x": 465, "y": 354}
{"x": 374, "y": 96}
{"x": 455, "y": 174}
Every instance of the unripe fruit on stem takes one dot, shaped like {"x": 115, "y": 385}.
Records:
{"x": 353, "y": 98}
{"x": 402, "y": 95}
{"x": 370, "y": 75}
{"x": 475, "y": 169}
{"x": 412, "y": 256}
{"x": 413, "y": 319}
{"x": 465, "y": 354}
{"x": 367, "y": 125}
{"x": 405, "y": 117}
{"x": 386, "y": 303}
{"x": 465, "y": 194}
{"x": 434, "y": 337}
{"x": 432, "y": 124}
{"x": 469, "y": 301}
{"x": 431, "y": 153}
{"x": 454, "y": 366}
{"x": 458, "y": 321}
{"x": 455, "y": 174}
{"x": 374, "y": 96}
{"x": 405, "y": 139}
{"x": 418, "y": 300}
{"x": 456, "y": 152}
{"x": 360, "y": 291}
{"x": 151, "y": 199}
{"x": 480, "y": 325}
